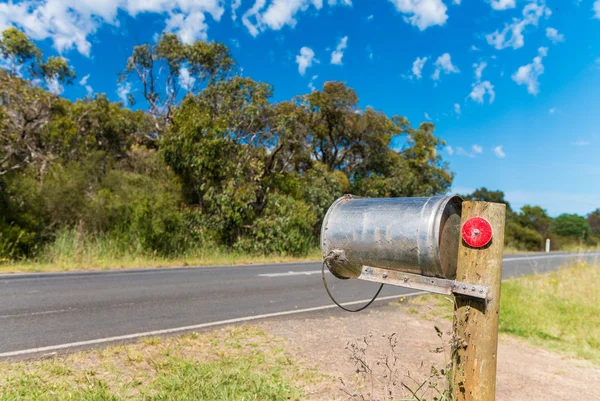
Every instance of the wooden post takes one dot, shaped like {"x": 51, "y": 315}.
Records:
{"x": 476, "y": 321}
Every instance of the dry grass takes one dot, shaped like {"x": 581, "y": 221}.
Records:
{"x": 94, "y": 261}
{"x": 238, "y": 363}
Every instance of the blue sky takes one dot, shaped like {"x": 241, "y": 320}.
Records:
{"x": 513, "y": 86}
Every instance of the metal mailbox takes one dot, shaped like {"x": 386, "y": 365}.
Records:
{"x": 407, "y": 242}
{"x": 412, "y": 235}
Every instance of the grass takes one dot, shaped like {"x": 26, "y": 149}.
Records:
{"x": 69, "y": 252}
{"x": 558, "y": 310}
{"x": 239, "y": 363}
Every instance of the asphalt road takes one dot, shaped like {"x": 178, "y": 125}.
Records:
{"x": 53, "y": 312}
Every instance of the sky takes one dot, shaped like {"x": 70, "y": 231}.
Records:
{"x": 513, "y": 86}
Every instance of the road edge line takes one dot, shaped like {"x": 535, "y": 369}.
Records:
{"x": 125, "y": 337}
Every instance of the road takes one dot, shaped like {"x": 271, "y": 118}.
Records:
{"x": 53, "y": 312}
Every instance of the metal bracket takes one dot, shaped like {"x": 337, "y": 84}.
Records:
{"x": 418, "y": 282}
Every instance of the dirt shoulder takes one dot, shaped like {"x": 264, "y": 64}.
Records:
{"x": 524, "y": 372}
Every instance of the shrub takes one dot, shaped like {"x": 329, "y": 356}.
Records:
{"x": 285, "y": 227}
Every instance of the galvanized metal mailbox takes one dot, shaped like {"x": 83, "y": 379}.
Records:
{"x": 408, "y": 242}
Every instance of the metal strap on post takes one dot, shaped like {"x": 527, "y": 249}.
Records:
{"x": 418, "y": 282}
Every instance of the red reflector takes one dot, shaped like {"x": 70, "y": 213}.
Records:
{"x": 477, "y": 232}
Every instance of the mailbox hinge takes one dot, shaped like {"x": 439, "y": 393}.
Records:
{"x": 418, "y": 282}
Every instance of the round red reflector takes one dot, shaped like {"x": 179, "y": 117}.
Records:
{"x": 477, "y": 232}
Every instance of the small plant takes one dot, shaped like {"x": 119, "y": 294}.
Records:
{"x": 378, "y": 377}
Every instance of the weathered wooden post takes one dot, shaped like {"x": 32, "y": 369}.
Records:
{"x": 476, "y": 320}
{"x": 441, "y": 245}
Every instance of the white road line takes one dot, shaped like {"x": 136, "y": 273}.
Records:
{"x": 292, "y": 273}
{"x": 58, "y": 347}
{"x": 48, "y": 312}
{"x": 572, "y": 255}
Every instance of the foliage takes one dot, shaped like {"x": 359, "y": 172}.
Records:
{"x": 593, "y": 220}
{"x": 176, "y": 67}
{"x": 25, "y": 58}
{"x": 571, "y": 225}
{"x": 484, "y": 195}
{"x": 558, "y": 310}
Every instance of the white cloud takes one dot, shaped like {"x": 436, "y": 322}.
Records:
{"x": 370, "y": 17}
{"x": 311, "y": 84}
{"x": 503, "y": 4}
{"x": 581, "y": 143}
{"x": 474, "y": 48}
{"x": 554, "y": 36}
{"x": 370, "y": 52}
{"x": 417, "y": 67}
{"x": 512, "y": 34}
{"x": 338, "y": 53}
{"x": 499, "y": 152}
{"x": 123, "y": 90}
{"x": 69, "y": 23}
{"x": 597, "y": 9}
{"x": 235, "y": 4}
{"x": 457, "y": 108}
{"x": 186, "y": 80}
{"x": 450, "y": 150}
{"x": 444, "y": 63}
{"x": 427, "y": 116}
{"x": 279, "y": 13}
{"x": 88, "y": 88}
{"x": 479, "y": 69}
{"x": 480, "y": 89}
{"x": 422, "y": 13}
{"x": 305, "y": 59}
{"x": 83, "y": 81}
{"x": 282, "y": 12}
{"x": 529, "y": 74}
{"x": 552, "y": 110}
{"x": 456, "y": 2}
{"x": 477, "y": 149}
{"x": 461, "y": 152}
{"x": 189, "y": 27}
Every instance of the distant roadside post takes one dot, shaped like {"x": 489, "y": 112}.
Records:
{"x": 547, "y": 245}
{"x": 441, "y": 245}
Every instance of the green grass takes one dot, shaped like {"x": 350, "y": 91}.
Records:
{"x": 69, "y": 252}
{"x": 559, "y": 310}
{"x": 240, "y": 363}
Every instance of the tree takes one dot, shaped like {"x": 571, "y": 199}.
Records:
{"x": 217, "y": 146}
{"x": 571, "y": 225}
{"x": 26, "y": 109}
{"x": 169, "y": 67}
{"x": 484, "y": 195}
{"x": 536, "y": 218}
{"x": 344, "y": 137}
{"x": 356, "y": 141}
{"x": 25, "y": 59}
{"x": 593, "y": 220}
